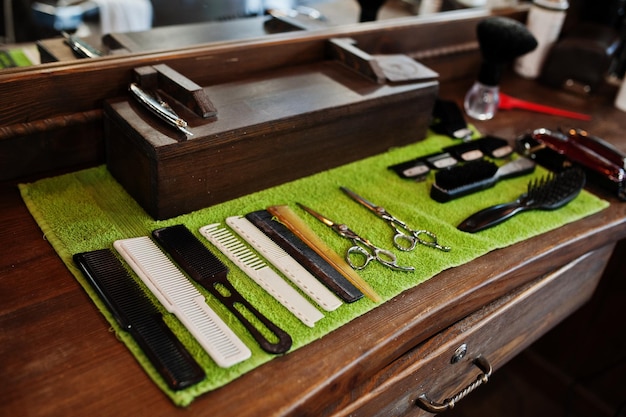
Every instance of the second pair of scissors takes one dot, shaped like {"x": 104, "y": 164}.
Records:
{"x": 362, "y": 252}
{"x": 405, "y": 238}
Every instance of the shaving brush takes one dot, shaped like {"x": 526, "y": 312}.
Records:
{"x": 501, "y": 40}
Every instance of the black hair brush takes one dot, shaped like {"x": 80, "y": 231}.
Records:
{"x": 474, "y": 176}
{"x": 548, "y": 193}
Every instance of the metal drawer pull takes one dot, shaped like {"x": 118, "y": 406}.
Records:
{"x": 433, "y": 407}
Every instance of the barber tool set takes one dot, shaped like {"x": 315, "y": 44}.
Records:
{"x": 573, "y": 157}
{"x": 274, "y": 248}
{"x": 285, "y": 263}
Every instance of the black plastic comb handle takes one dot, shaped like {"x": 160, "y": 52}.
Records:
{"x": 200, "y": 263}
{"x": 136, "y": 314}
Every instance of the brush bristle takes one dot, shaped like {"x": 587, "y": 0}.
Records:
{"x": 501, "y": 40}
{"x": 462, "y": 180}
{"x": 555, "y": 190}
{"x": 462, "y": 175}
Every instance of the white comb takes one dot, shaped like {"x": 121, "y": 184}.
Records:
{"x": 181, "y": 298}
{"x": 260, "y": 273}
{"x": 284, "y": 263}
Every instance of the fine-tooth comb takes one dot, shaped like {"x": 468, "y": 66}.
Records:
{"x": 201, "y": 265}
{"x": 260, "y": 273}
{"x": 548, "y": 193}
{"x": 136, "y": 314}
{"x": 180, "y": 297}
{"x": 284, "y": 263}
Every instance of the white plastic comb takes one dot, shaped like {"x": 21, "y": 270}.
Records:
{"x": 260, "y": 273}
{"x": 284, "y": 263}
{"x": 182, "y": 299}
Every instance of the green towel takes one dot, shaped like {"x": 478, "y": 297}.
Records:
{"x": 14, "y": 58}
{"x": 89, "y": 210}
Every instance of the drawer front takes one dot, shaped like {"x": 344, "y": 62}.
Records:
{"x": 446, "y": 364}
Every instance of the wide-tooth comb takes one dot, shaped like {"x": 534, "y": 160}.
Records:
{"x": 260, "y": 273}
{"x": 548, "y": 193}
{"x": 180, "y": 297}
{"x": 136, "y": 315}
{"x": 201, "y": 265}
{"x": 284, "y": 263}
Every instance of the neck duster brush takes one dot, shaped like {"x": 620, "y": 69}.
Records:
{"x": 501, "y": 40}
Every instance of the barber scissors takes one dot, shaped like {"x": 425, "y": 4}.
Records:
{"x": 362, "y": 251}
{"x": 405, "y": 238}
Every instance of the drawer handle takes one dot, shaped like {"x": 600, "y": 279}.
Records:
{"x": 433, "y": 407}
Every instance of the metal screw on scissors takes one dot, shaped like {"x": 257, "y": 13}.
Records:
{"x": 405, "y": 238}
{"x": 362, "y": 251}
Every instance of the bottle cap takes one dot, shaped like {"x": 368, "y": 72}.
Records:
{"x": 552, "y": 4}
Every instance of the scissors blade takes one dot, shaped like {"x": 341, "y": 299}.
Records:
{"x": 371, "y": 206}
{"x": 317, "y": 215}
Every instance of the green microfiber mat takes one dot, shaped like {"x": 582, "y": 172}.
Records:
{"x": 89, "y": 210}
{"x": 14, "y": 58}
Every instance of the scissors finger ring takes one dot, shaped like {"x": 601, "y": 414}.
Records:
{"x": 358, "y": 253}
{"x": 430, "y": 241}
{"x": 389, "y": 259}
{"x": 404, "y": 242}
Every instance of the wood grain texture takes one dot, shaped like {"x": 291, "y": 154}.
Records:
{"x": 497, "y": 332}
{"x": 58, "y": 358}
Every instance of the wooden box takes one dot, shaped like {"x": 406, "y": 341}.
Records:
{"x": 270, "y": 128}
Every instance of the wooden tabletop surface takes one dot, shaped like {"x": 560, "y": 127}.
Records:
{"x": 57, "y": 356}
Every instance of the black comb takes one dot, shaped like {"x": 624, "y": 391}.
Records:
{"x": 301, "y": 252}
{"x": 204, "y": 267}
{"x": 548, "y": 193}
{"x": 136, "y": 314}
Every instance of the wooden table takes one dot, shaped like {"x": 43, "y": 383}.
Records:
{"x": 57, "y": 357}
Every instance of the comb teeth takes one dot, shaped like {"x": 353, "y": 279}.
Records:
{"x": 260, "y": 273}
{"x": 202, "y": 265}
{"x": 181, "y": 298}
{"x": 190, "y": 254}
{"x": 284, "y": 263}
{"x": 138, "y": 316}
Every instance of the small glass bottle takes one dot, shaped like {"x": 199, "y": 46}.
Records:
{"x": 481, "y": 101}
{"x": 545, "y": 20}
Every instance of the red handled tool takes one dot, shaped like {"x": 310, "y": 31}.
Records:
{"x": 508, "y": 103}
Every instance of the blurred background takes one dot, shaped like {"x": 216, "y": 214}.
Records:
{"x": 29, "y": 20}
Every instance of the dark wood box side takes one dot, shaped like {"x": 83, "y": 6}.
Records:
{"x": 173, "y": 186}
{"x": 131, "y": 165}
{"x": 265, "y": 145}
